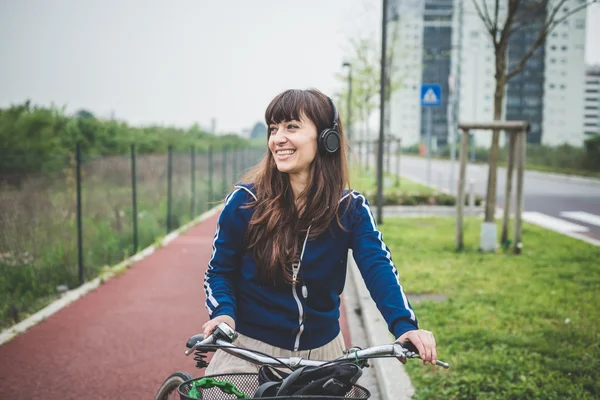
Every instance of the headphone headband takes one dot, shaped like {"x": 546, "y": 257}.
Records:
{"x": 329, "y": 139}
{"x": 334, "y": 126}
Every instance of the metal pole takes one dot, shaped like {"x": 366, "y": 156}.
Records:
{"x": 428, "y": 132}
{"x": 456, "y": 107}
{"x": 134, "y": 199}
{"x": 193, "y": 205}
{"x": 382, "y": 82}
{"x": 79, "y": 216}
{"x": 169, "y": 186}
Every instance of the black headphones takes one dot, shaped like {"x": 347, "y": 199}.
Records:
{"x": 329, "y": 139}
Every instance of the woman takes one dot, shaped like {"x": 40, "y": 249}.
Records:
{"x": 280, "y": 249}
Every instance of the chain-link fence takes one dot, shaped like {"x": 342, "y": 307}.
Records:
{"x": 58, "y": 229}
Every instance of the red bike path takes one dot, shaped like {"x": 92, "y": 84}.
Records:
{"x": 123, "y": 339}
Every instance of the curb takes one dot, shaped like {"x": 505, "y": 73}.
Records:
{"x": 563, "y": 177}
{"x": 555, "y": 176}
{"x": 393, "y": 381}
{"x": 72, "y": 295}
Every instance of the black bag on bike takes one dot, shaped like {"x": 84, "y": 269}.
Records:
{"x": 329, "y": 380}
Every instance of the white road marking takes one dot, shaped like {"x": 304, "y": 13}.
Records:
{"x": 582, "y": 216}
{"x": 553, "y": 223}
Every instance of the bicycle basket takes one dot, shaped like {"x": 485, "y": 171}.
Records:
{"x": 247, "y": 384}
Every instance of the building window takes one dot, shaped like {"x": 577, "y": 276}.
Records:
{"x": 579, "y": 23}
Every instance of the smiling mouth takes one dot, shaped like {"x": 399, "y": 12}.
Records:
{"x": 283, "y": 153}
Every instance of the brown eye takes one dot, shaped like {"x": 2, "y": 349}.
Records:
{"x": 272, "y": 129}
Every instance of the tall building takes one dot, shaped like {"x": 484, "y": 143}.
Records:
{"x": 564, "y": 80}
{"x": 591, "y": 118}
{"x": 445, "y": 42}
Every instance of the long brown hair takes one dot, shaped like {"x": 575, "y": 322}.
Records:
{"x": 278, "y": 228}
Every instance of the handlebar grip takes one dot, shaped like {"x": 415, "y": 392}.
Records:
{"x": 194, "y": 339}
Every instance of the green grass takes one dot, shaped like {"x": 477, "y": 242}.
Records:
{"x": 512, "y": 327}
{"x": 365, "y": 180}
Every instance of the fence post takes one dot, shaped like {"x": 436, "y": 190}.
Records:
{"x": 243, "y": 158}
{"x": 389, "y": 145}
{"x": 79, "y": 217}
{"x": 193, "y": 206}
{"x": 398, "y": 147}
{"x": 224, "y": 170}
{"x": 235, "y": 165}
{"x": 134, "y": 199}
{"x": 169, "y": 186}
{"x": 210, "y": 176}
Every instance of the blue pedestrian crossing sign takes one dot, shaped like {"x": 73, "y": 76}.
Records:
{"x": 431, "y": 95}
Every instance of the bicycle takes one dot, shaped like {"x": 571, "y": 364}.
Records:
{"x": 266, "y": 384}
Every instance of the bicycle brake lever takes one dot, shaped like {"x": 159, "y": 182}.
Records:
{"x": 413, "y": 354}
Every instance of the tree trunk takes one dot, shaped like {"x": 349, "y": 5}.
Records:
{"x": 490, "y": 198}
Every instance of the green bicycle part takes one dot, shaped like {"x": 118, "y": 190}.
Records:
{"x": 207, "y": 383}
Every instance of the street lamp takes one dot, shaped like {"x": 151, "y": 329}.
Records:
{"x": 349, "y": 118}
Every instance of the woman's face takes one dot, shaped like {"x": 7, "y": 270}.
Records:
{"x": 293, "y": 145}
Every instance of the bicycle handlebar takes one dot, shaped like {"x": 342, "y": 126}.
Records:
{"x": 223, "y": 336}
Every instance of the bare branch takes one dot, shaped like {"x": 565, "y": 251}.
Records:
{"x": 548, "y": 27}
{"x": 485, "y": 18}
{"x": 496, "y": 10}
{"x": 513, "y": 8}
{"x": 524, "y": 18}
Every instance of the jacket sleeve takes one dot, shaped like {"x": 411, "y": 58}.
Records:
{"x": 227, "y": 252}
{"x": 375, "y": 263}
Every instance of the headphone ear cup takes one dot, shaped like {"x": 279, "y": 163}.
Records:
{"x": 329, "y": 141}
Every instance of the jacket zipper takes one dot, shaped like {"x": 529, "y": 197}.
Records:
{"x": 295, "y": 270}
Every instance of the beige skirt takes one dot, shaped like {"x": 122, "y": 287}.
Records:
{"x": 225, "y": 363}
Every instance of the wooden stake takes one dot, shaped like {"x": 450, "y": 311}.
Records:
{"x": 520, "y": 152}
{"x": 460, "y": 199}
{"x": 508, "y": 188}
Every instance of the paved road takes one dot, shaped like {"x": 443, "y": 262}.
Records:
{"x": 565, "y": 206}
{"x": 123, "y": 339}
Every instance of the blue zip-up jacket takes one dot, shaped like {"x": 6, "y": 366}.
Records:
{"x": 294, "y": 317}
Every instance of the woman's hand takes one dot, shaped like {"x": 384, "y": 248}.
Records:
{"x": 210, "y": 325}
{"x": 424, "y": 342}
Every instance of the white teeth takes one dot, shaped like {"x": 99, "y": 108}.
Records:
{"x": 285, "y": 152}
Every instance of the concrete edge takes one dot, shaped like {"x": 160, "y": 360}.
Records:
{"x": 556, "y": 176}
{"x": 72, "y": 295}
{"x": 393, "y": 381}
{"x": 564, "y": 177}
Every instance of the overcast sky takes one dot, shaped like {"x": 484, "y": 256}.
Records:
{"x": 182, "y": 61}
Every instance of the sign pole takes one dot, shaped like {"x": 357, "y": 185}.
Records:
{"x": 428, "y": 128}
{"x": 431, "y": 96}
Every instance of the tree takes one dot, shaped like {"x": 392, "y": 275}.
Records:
{"x": 364, "y": 56}
{"x": 259, "y": 130}
{"x": 84, "y": 114}
{"x": 519, "y": 15}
